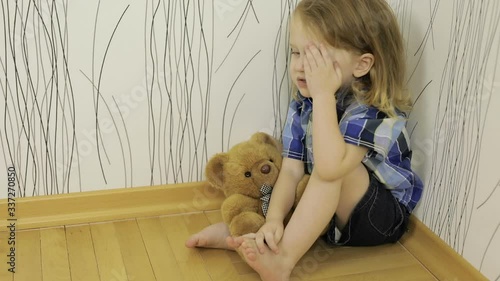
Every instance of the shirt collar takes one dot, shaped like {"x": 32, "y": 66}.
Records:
{"x": 303, "y": 100}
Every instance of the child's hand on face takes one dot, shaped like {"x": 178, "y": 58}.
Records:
{"x": 323, "y": 76}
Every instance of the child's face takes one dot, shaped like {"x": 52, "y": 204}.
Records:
{"x": 299, "y": 39}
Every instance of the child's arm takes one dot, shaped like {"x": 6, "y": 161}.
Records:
{"x": 333, "y": 158}
{"x": 282, "y": 201}
{"x": 283, "y": 196}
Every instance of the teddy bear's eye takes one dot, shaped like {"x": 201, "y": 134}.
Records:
{"x": 271, "y": 160}
{"x": 248, "y": 174}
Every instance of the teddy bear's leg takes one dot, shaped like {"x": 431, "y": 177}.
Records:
{"x": 236, "y": 204}
{"x": 246, "y": 222}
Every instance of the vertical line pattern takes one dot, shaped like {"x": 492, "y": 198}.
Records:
{"x": 41, "y": 132}
{"x": 180, "y": 60}
{"x": 460, "y": 117}
{"x": 449, "y": 204}
{"x": 39, "y": 117}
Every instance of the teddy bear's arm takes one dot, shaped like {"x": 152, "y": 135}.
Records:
{"x": 236, "y": 204}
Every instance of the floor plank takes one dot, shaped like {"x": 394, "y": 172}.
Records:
{"x": 242, "y": 268}
{"x": 178, "y": 228}
{"x": 135, "y": 257}
{"x": 107, "y": 252}
{"x": 214, "y": 259}
{"x": 153, "y": 248}
{"x": 250, "y": 277}
{"x": 312, "y": 270}
{"x": 81, "y": 254}
{"x": 54, "y": 254}
{"x": 214, "y": 216}
{"x": 408, "y": 273}
{"x": 29, "y": 257}
{"x": 160, "y": 253}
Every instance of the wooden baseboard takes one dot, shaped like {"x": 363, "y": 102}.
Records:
{"x": 115, "y": 204}
{"x": 437, "y": 256}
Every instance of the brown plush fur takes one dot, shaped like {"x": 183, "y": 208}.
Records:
{"x": 240, "y": 173}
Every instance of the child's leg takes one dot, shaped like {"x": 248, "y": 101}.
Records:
{"x": 379, "y": 218}
{"x": 212, "y": 236}
{"x": 314, "y": 211}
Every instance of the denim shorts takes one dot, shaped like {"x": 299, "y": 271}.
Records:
{"x": 377, "y": 219}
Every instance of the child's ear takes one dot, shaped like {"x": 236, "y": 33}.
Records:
{"x": 365, "y": 63}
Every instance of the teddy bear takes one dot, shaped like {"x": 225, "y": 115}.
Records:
{"x": 246, "y": 175}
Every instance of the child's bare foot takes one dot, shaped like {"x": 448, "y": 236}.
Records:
{"x": 235, "y": 242}
{"x": 270, "y": 266}
{"x": 212, "y": 236}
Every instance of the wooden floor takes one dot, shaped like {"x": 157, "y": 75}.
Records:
{"x": 145, "y": 249}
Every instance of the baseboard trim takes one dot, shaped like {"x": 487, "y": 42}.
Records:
{"x": 107, "y": 205}
{"x": 437, "y": 256}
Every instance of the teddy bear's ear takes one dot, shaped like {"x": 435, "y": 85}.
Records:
{"x": 264, "y": 138}
{"x": 214, "y": 170}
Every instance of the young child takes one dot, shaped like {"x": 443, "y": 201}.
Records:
{"x": 346, "y": 127}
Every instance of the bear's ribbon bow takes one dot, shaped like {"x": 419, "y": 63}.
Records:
{"x": 265, "y": 192}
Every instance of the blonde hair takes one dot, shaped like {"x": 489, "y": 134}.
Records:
{"x": 364, "y": 26}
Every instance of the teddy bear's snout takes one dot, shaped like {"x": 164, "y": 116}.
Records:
{"x": 265, "y": 169}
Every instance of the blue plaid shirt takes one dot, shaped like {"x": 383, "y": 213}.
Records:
{"x": 389, "y": 155}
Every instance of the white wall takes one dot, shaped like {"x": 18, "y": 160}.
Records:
{"x": 126, "y": 93}
{"x": 178, "y": 81}
{"x": 453, "y": 51}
